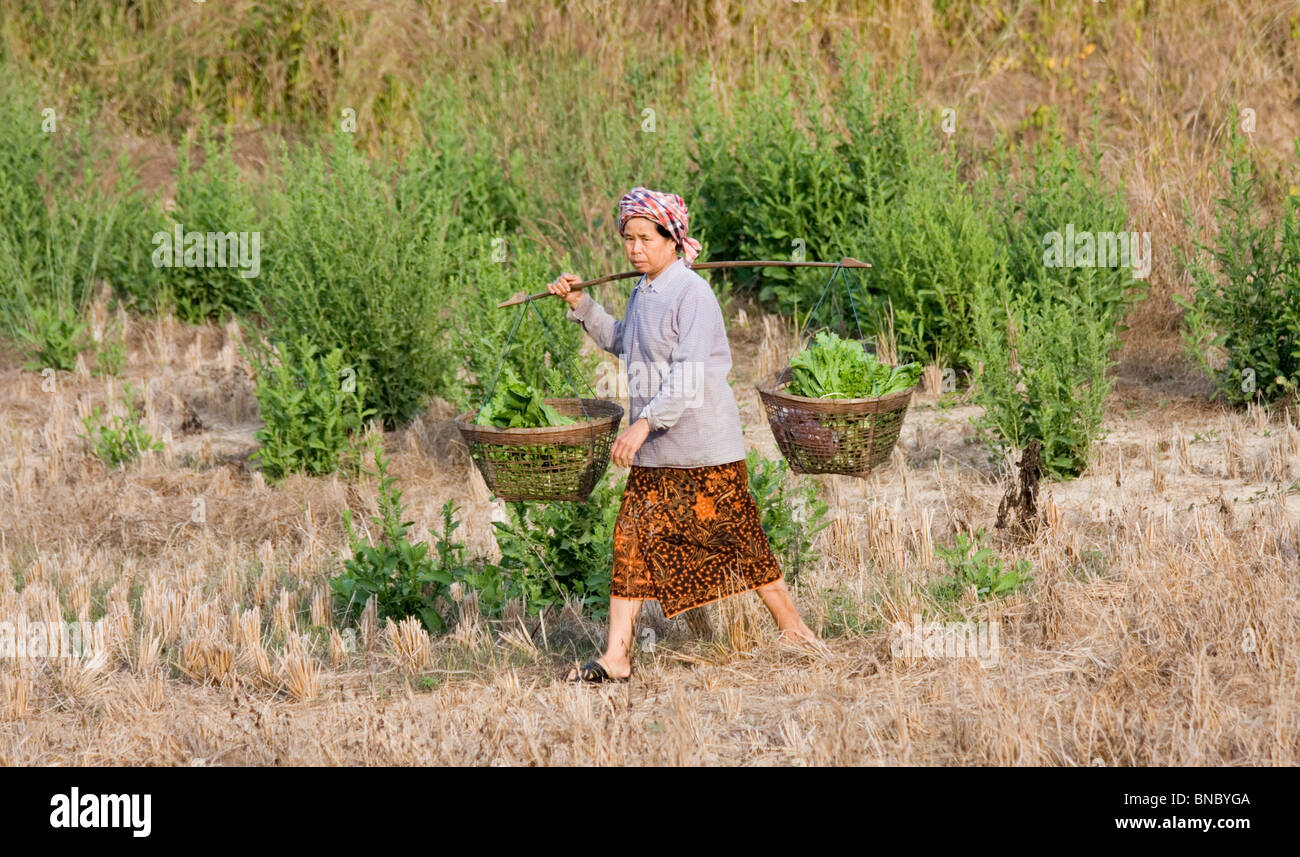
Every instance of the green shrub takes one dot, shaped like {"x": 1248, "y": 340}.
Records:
{"x": 791, "y": 513}
{"x": 974, "y": 564}
{"x": 452, "y": 178}
{"x": 1246, "y": 291}
{"x": 765, "y": 182}
{"x": 355, "y": 271}
{"x": 211, "y": 198}
{"x": 544, "y": 353}
{"x": 923, "y": 229}
{"x": 553, "y": 550}
{"x": 55, "y": 338}
{"x": 887, "y": 193}
{"x": 1043, "y": 334}
{"x": 1044, "y": 374}
{"x": 126, "y": 258}
{"x": 48, "y": 283}
{"x": 1051, "y": 187}
{"x": 120, "y": 440}
{"x": 53, "y": 254}
{"x": 405, "y": 578}
{"x": 927, "y": 246}
{"x": 402, "y": 576}
{"x": 311, "y": 407}
{"x": 549, "y": 551}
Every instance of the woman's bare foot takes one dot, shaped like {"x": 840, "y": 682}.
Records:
{"x": 796, "y": 635}
{"x": 791, "y": 626}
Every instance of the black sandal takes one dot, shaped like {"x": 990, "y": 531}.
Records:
{"x": 593, "y": 673}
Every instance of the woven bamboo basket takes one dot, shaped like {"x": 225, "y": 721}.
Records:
{"x": 553, "y": 463}
{"x": 847, "y": 436}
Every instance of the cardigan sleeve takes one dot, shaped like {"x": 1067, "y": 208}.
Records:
{"x": 603, "y": 328}
{"x": 698, "y": 324}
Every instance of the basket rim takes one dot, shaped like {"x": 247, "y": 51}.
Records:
{"x": 613, "y": 413}
{"x": 770, "y": 386}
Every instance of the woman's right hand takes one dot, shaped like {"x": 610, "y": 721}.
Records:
{"x": 562, "y": 286}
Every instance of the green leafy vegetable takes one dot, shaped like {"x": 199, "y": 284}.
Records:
{"x": 835, "y": 368}
{"x": 516, "y": 404}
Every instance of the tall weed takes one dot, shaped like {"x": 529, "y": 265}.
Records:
{"x": 1242, "y": 321}
{"x": 311, "y": 409}
{"x": 121, "y": 439}
{"x": 1042, "y": 374}
{"x": 1048, "y": 187}
{"x": 791, "y": 513}
{"x": 1044, "y": 334}
{"x": 772, "y": 185}
{"x": 212, "y": 198}
{"x": 775, "y": 185}
{"x": 550, "y": 551}
{"x": 356, "y": 271}
{"x": 403, "y": 577}
{"x": 74, "y": 218}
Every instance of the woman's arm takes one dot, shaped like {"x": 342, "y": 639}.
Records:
{"x": 603, "y": 328}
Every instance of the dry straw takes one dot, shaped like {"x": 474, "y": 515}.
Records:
{"x": 207, "y": 660}
{"x": 409, "y": 644}
{"x": 339, "y": 648}
{"x": 298, "y": 669}
{"x": 285, "y": 617}
{"x": 322, "y": 607}
{"x": 16, "y": 690}
{"x": 369, "y": 624}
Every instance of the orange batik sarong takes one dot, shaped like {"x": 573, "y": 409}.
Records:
{"x": 689, "y": 536}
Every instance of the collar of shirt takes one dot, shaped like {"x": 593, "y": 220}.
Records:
{"x": 665, "y": 276}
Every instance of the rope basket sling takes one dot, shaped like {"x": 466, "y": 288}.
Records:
{"x": 549, "y": 462}
{"x": 844, "y": 436}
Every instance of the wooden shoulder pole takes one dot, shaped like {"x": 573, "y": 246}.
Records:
{"x": 846, "y": 262}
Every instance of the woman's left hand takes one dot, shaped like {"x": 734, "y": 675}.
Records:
{"x": 626, "y": 444}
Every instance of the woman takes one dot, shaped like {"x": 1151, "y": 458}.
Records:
{"x": 688, "y": 530}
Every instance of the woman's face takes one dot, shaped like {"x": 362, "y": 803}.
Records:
{"x": 647, "y": 250}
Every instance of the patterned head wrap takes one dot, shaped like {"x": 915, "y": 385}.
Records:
{"x": 666, "y": 209}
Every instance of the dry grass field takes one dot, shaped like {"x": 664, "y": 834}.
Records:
{"x": 1162, "y": 626}
{"x": 1162, "y": 623}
